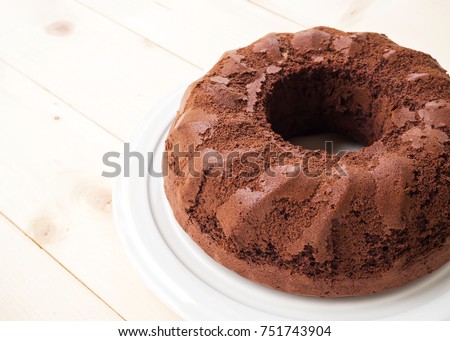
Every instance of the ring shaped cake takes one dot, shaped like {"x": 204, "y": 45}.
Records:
{"x": 352, "y": 224}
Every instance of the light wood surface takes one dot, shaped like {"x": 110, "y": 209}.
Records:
{"x": 76, "y": 76}
{"x": 38, "y": 287}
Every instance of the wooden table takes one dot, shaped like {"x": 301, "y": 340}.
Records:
{"x": 75, "y": 77}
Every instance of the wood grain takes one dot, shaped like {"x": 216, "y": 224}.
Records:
{"x": 198, "y": 30}
{"x": 37, "y": 287}
{"x": 312, "y": 13}
{"x": 102, "y": 70}
{"x": 52, "y": 189}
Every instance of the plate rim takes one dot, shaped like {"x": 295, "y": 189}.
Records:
{"x": 123, "y": 219}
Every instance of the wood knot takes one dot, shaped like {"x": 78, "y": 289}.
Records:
{"x": 97, "y": 199}
{"x": 45, "y": 231}
{"x": 101, "y": 200}
{"x": 60, "y": 28}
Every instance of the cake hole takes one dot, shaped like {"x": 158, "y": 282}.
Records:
{"x": 322, "y": 141}
{"x": 318, "y": 105}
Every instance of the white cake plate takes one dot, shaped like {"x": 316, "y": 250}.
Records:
{"x": 198, "y": 288}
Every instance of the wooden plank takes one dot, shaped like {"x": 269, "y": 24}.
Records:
{"x": 312, "y": 13}
{"x": 52, "y": 188}
{"x": 198, "y": 30}
{"x": 421, "y": 25}
{"x": 103, "y": 70}
{"x": 34, "y": 286}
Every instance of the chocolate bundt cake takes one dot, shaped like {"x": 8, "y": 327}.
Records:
{"x": 306, "y": 221}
